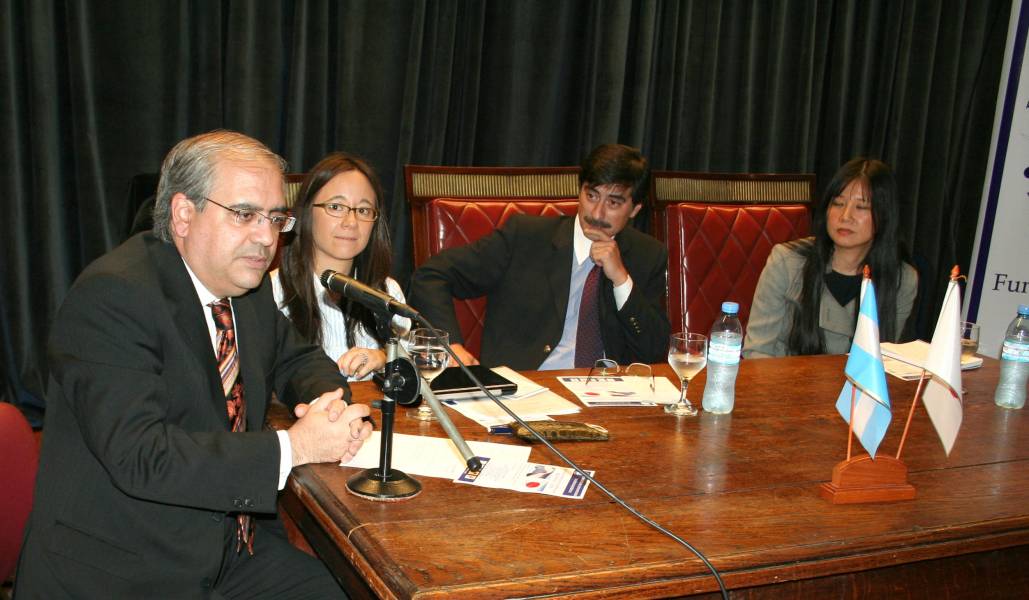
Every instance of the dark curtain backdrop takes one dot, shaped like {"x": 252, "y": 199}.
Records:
{"x": 97, "y": 92}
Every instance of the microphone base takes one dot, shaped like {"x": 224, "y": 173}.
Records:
{"x": 370, "y": 485}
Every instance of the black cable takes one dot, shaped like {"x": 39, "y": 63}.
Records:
{"x": 579, "y": 470}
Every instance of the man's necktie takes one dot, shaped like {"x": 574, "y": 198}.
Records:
{"x": 588, "y": 344}
{"x": 232, "y": 385}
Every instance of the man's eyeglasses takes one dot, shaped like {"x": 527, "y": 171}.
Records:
{"x": 340, "y": 211}
{"x": 605, "y": 367}
{"x": 248, "y": 216}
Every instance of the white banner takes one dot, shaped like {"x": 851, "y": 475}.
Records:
{"x": 1000, "y": 260}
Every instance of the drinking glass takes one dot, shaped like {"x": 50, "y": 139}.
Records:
{"x": 687, "y": 355}
{"x": 428, "y": 350}
{"x": 969, "y": 339}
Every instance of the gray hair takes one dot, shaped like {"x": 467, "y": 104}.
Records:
{"x": 189, "y": 168}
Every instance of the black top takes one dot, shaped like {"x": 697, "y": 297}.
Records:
{"x": 843, "y": 287}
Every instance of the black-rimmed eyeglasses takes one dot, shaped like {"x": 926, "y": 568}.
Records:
{"x": 605, "y": 367}
{"x": 340, "y": 211}
{"x": 245, "y": 217}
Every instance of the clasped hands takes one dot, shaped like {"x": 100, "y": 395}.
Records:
{"x": 328, "y": 429}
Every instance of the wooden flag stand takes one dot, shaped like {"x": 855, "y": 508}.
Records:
{"x": 862, "y": 479}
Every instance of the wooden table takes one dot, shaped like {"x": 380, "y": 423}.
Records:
{"x": 742, "y": 488}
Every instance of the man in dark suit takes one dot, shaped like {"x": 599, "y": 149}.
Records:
{"x": 561, "y": 292}
{"x": 156, "y": 479}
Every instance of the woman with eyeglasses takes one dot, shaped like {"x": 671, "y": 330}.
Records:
{"x": 340, "y": 227}
{"x": 806, "y": 300}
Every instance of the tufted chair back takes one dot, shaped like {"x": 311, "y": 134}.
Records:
{"x": 293, "y": 183}
{"x": 719, "y": 229}
{"x": 454, "y": 206}
{"x": 19, "y": 459}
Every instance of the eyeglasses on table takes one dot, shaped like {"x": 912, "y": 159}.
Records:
{"x": 606, "y": 367}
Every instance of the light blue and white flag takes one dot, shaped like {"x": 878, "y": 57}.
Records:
{"x": 866, "y": 375}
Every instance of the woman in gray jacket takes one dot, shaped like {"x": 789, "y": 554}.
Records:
{"x": 807, "y": 298}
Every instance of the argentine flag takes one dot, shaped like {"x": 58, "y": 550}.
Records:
{"x": 865, "y": 374}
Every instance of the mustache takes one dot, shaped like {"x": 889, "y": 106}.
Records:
{"x": 265, "y": 253}
{"x": 598, "y": 223}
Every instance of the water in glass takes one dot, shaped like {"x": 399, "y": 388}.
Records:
{"x": 428, "y": 350}
{"x": 687, "y": 355}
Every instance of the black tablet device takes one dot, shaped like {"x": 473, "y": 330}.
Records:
{"x": 454, "y": 381}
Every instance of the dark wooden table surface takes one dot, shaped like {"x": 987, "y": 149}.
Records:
{"x": 742, "y": 488}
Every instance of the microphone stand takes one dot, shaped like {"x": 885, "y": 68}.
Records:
{"x": 473, "y": 462}
{"x": 383, "y": 305}
{"x": 385, "y": 484}
{"x": 401, "y": 385}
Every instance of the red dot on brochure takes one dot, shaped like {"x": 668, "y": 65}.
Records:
{"x": 533, "y": 484}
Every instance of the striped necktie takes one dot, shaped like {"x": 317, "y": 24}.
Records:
{"x": 232, "y": 385}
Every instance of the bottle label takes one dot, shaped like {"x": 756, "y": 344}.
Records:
{"x": 725, "y": 353}
{"x": 1015, "y": 351}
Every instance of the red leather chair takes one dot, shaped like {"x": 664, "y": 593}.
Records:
{"x": 453, "y": 206}
{"x": 719, "y": 229}
{"x": 19, "y": 459}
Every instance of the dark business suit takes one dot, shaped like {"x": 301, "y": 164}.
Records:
{"x": 524, "y": 269}
{"x": 138, "y": 467}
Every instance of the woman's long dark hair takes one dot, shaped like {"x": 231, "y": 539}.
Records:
{"x": 371, "y": 266}
{"x": 883, "y": 258}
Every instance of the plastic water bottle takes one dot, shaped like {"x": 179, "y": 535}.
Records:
{"x": 723, "y": 360}
{"x": 1014, "y": 362}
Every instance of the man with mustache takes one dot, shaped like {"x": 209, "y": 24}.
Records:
{"x": 561, "y": 292}
{"x": 156, "y": 478}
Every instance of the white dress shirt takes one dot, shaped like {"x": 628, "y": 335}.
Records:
{"x": 206, "y": 298}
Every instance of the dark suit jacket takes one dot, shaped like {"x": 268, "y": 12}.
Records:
{"x": 138, "y": 468}
{"x": 524, "y": 269}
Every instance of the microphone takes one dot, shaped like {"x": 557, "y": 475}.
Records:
{"x": 368, "y": 296}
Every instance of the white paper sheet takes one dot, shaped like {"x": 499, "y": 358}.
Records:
{"x": 532, "y": 478}
{"x": 432, "y": 456}
{"x": 905, "y": 361}
{"x": 618, "y": 390}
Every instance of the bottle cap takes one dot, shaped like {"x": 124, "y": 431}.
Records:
{"x": 730, "y": 307}
{"x": 1023, "y": 309}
